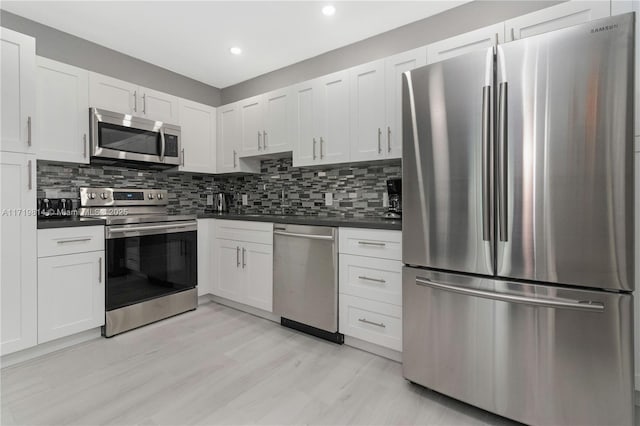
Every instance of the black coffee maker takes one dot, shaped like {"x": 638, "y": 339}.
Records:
{"x": 394, "y": 189}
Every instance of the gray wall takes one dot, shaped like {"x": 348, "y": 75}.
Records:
{"x": 467, "y": 17}
{"x": 64, "y": 47}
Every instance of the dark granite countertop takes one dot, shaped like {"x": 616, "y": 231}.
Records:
{"x": 69, "y": 222}
{"x": 350, "y": 222}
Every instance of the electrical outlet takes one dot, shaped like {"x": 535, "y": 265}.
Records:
{"x": 328, "y": 199}
{"x": 385, "y": 199}
{"x": 209, "y": 199}
{"x": 245, "y": 199}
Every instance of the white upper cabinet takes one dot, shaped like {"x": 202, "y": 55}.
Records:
{"x": 277, "y": 133}
{"x": 228, "y": 137}
{"x": 127, "y": 98}
{"x": 18, "y": 81}
{"x": 265, "y": 123}
{"x": 251, "y": 126}
{"x": 159, "y": 106}
{"x": 62, "y": 99}
{"x": 376, "y": 105}
{"x": 112, "y": 94}
{"x": 229, "y": 141}
{"x": 555, "y": 17}
{"x": 305, "y": 122}
{"x": 333, "y": 116}
{"x": 321, "y": 120}
{"x": 464, "y": 43}
{"x": 198, "y": 137}
{"x": 368, "y": 111}
{"x": 18, "y": 262}
{"x": 394, "y": 67}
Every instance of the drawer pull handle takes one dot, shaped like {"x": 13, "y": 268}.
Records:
{"x": 100, "y": 270}
{"x": 369, "y": 243}
{"x": 78, "y": 240}
{"x": 377, "y": 324}
{"x": 377, "y": 280}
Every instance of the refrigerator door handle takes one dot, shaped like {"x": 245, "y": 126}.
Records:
{"x": 583, "y": 305}
{"x": 486, "y": 137}
{"x": 502, "y": 161}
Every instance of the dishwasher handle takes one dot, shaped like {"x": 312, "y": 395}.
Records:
{"x": 309, "y": 236}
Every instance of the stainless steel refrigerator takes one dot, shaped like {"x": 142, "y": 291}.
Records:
{"x": 518, "y": 227}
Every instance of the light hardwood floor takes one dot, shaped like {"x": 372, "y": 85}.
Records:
{"x": 221, "y": 366}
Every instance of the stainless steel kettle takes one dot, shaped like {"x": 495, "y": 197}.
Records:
{"x": 221, "y": 202}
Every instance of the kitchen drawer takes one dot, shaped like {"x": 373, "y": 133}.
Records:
{"x": 371, "y": 242}
{"x": 60, "y": 241}
{"x": 239, "y": 230}
{"x": 371, "y": 278}
{"x": 374, "y": 322}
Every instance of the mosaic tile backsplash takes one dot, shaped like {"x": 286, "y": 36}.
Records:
{"x": 357, "y": 189}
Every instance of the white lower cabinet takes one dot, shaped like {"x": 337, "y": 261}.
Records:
{"x": 243, "y": 264}
{"x": 374, "y": 322}
{"x": 18, "y": 253}
{"x": 244, "y": 273}
{"x": 71, "y": 281}
{"x": 70, "y": 294}
{"x": 205, "y": 270}
{"x": 370, "y": 286}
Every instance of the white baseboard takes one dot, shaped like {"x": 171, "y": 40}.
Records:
{"x": 373, "y": 348}
{"x": 49, "y": 347}
{"x": 204, "y": 299}
{"x": 245, "y": 308}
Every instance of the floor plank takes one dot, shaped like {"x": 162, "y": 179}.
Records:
{"x": 221, "y": 366}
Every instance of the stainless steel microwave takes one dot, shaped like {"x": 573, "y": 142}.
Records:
{"x": 125, "y": 137}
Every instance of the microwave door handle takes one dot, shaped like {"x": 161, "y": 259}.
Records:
{"x": 162, "y": 144}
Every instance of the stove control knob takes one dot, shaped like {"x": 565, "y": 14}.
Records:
{"x": 159, "y": 196}
{"x": 150, "y": 196}
{"x": 104, "y": 195}
{"x": 92, "y": 195}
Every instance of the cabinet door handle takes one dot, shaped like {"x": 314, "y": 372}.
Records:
{"x": 144, "y": 103}
{"x": 264, "y": 139}
{"x": 314, "y": 148}
{"x": 321, "y": 143}
{"x": 84, "y": 144}
{"x": 29, "y": 130}
{"x": 388, "y": 138}
{"x": 379, "y": 141}
{"x": 182, "y": 157}
{"x": 259, "y": 134}
{"x": 377, "y": 280}
{"x": 234, "y": 158}
{"x": 135, "y": 101}
{"x": 30, "y": 171}
{"x": 370, "y": 243}
{"x": 100, "y": 269}
{"x": 237, "y": 257}
{"x": 377, "y": 324}
{"x": 244, "y": 261}
{"x": 77, "y": 240}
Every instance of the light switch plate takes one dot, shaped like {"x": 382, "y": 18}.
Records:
{"x": 328, "y": 199}
{"x": 245, "y": 199}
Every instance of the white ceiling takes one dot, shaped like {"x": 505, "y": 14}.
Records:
{"x": 193, "y": 38}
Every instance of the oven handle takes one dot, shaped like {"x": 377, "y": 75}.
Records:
{"x": 135, "y": 230}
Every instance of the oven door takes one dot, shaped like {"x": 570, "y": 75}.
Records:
{"x": 124, "y": 137}
{"x": 148, "y": 261}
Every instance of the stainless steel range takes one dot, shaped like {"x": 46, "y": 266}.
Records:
{"x": 151, "y": 256}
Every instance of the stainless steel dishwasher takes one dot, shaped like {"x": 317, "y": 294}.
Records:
{"x": 305, "y": 279}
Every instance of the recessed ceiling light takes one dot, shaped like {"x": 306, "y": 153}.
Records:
{"x": 235, "y": 50}
{"x": 329, "y": 10}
